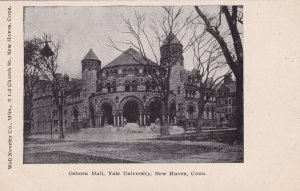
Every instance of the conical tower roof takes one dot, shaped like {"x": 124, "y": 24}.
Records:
{"x": 91, "y": 55}
{"x": 171, "y": 39}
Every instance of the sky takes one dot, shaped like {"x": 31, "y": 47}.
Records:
{"x": 82, "y": 28}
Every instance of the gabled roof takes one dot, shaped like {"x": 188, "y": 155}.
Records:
{"x": 90, "y": 55}
{"x": 129, "y": 57}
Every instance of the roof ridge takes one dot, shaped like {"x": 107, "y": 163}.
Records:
{"x": 125, "y": 58}
{"x": 91, "y": 55}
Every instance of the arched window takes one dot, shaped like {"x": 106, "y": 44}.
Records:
{"x": 114, "y": 87}
{"x": 135, "y": 71}
{"x": 191, "y": 109}
{"x": 115, "y": 71}
{"x": 124, "y": 71}
{"x": 130, "y": 70}
{"x": 153, "y": 85}
{"x": 147, "y": 85}
{"x": 108, "y": 87}
{"x": 127, "y": 86}
{"x": 107, "y": 74}
{"x": 134, "y": 85}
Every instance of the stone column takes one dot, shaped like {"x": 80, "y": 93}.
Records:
{"x": 141, "y": 120}
{"x": 114, "y": 120}
{"x": 100, "y": 121}
{"x": 175, "y": 121}
{"x": 118, "y": 120}
{"x": 122, "y": 121}
{"x": 145, "y": 121}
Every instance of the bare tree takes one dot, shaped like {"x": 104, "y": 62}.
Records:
{"x": 209, "y": 67}
{"x": 31, "y": 81}
{"x": 147, "y": 39}
{"x": 46, "y": 63}
{"x": 232, "y": 49}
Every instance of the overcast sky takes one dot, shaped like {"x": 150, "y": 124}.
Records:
{"x": 82, "y": 28}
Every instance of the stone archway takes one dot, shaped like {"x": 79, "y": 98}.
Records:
{"x": 132, "y": 108}
{"x": 107, "y": 114}
{"x": 131, "y": 111}
{"x": 154, "y": 108}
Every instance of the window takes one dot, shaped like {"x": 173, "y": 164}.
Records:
{"x": 229, "y": 101}
{"x": 55, "y": 122}
{"x": 153, "y": 85}
{"x": 85, "y": 110}
{"x": 147, "y": 85}
{"x": 54, "y": 112}
{"x": 127, "y": 86}
{"x": 178, "y": 91}
{"x": 136, "y": 71}
{"x": 65, "y": 112}
{"x": 229, "y": 110}
{"x": 108, "y": 87}
{"x": 134, "y": 85}
{"x": 114, "y": 87}
{"x": 130, "y": 70}
{"x": 191, "y": 109}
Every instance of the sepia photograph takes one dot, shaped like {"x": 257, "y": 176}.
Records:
{"x": 133, "y": 84}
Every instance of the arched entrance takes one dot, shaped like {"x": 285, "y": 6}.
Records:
{"x": 107, "y": 117}
{"x": 131, "y": 111}
{"x": 154, "y": 110}
{"x": 92, "y": 116}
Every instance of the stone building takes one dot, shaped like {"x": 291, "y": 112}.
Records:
{"x": 226, "y": 102}
{"x": 123, "y": 91}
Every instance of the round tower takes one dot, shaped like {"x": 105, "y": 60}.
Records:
{"x": 90, "y": 65}
{"x": 90, "y": 61}
{"x": 171, "y": 51}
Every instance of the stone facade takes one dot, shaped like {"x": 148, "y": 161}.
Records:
{"x": 123, "y": 91}
{"x": 226, "y": 102}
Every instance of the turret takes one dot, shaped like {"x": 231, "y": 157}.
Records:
{"x": 90, "y": 61}
{"x": 90, "y": 65}
{"x": 171, "y": 50}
